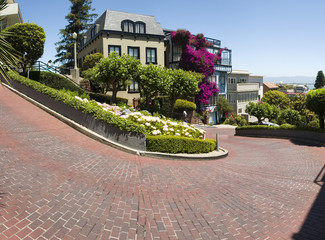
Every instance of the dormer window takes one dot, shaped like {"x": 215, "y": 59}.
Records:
{"x": 127, "y": 26}
{"x": 140, "y": 27}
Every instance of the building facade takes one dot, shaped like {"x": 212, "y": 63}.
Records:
{"x": 140, "y": 36}
{"x": 242, "y": 89}
{"x": 10, "y": 15}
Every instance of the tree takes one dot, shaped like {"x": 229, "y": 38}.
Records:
{"x": 28, "y": 39}
{"x": 259, "y": 110}
{"x": 277, "y": 98}
{"x": 153, "y": 80}
{"x": 8, "y": 55}
{"x": 115, "y": 72}
{"x": 290, "y": 116}
{"x": 315, "y": 101}
{"x": 320, "y": 80}
{"x": 223, "y": 107}
{"x": 183, "y": 84}
{"x": 91, "y": 60}
{"x": 78, "y": 19}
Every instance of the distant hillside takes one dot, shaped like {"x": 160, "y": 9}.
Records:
{"x": 293, "y": 79}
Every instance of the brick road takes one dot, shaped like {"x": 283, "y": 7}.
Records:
{"x": 56, "y": 183}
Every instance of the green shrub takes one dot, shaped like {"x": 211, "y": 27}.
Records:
{"x": 174, "y": 144}
{"x": 103, "y": 98}
{"x": 56, "y": 81}
{"x": 313, "y": 124}
{"x": 184, "y": 105}
{"x": 236, "y": 120}
{"x": 290, "y": 116}
{"x": 92, "y": 108}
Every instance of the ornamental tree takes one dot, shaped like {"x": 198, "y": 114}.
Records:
{"x": 28, "y": 39}
{"x": 183, "y": 84}
{"x": 153, "y": 80}
{"x": 315, "y": 101}
{"x": 277, "y": 98}
{"x": 258, "y": 110}
{"x": 115, "y": 72}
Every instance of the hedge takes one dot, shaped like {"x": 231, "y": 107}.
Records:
{"x": 92, "y": 109}
{"x": 181, "y": 105}
{"x": 283, "y": 126}
{"x": 103, "y": 98}
{"x": 55, "y": 81}
{"x": 175, "y": 144}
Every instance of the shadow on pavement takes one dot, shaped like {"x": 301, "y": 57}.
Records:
{"x": 306, "y": 143}
{"x": 314, "y": 225}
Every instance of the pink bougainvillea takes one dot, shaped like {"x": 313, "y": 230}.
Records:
{"x": 195, "y": 57}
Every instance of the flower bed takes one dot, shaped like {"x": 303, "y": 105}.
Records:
{"x": 153, "y": 125}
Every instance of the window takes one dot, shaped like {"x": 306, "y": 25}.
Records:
{"x": 112, "y": 48}
{"x": 176, "y": 52}
{"x": 134, "y": 87}
{"x": 151, "y": 55}
{"x": 232, "y": 98}
{"x": 127, "y": 26}
{"x": 140, "y": 27}
{"x": 134, "y": 52}
{"x": 93, "y": 32}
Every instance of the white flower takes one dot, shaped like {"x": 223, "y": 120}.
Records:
{"x": 80, "y": 99}
{"x": 171, "y": 129}
{"x": 156, "y": 132}
{"x": 147, "y": 124}
{"x": 177, "y": 134}
{"x": 153, "y": 127}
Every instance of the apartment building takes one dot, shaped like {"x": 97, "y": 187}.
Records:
{"x": 140, "y": 36}
{"x": 10, "y": 15}
{"x": 242, "y": 89}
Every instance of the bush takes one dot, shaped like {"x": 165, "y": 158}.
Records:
{"x": 313, "y": 124}
{"x": 236, "y": 120}
{"x": 55, "y": 81}
{"x": 290, "y": 116}
{"x": 184, "y": 105}
{"x": 174, "y": 144}
{"x": 92, "y": 109}
{"x": 103, "y": 98}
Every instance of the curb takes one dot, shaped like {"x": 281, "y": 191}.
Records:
{"x": 194, "y": 157}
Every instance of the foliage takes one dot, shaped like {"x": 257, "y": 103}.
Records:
{"x": 78, "y": 22}
{"x": 91, "y": 107}
{"x": 115, "y": 72}
{"x": 283, "y": 126}
{"x": 277, "y": 98}
{"x": 290, "y": 116}
{"x": 236, "y": 120}
{"x": 28, "y": 39}
{"x": 184, "y": 105}
{"x": 181, "y": 37}
{"x": 153, "y": 80}
{"x": 258, "y": 110}
{"x": 320, "y": 80}
{"x": 172, "y": 144}
{"x": 91, "y": 60}
{"x": 223, "y": 105}
{"x": 315, "y": 101}
{"x": 56, "y": 81}
{"x": 313, "y": 124}
{"x": 8, "y": 55}
{"x": 183, "y": 84}
{"x": 104, "y": 98}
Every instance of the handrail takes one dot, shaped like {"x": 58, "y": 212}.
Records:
{"x": 41, "y": 66}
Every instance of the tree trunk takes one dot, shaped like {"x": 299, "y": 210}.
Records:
{"x": 114, "y": 93}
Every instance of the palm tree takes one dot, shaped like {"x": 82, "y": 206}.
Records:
{"x": 8, "y": 55}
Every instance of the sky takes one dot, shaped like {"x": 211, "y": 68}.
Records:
{"x": 271, "y": 38}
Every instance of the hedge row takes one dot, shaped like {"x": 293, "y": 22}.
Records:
{"x": 283, "y": 126}
{"x": 103, "y": 98}
{"x": 174, "y": 144}
{"x": 92, "y": 109}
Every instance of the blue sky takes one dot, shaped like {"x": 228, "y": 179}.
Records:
{"x": 267, "y": 37}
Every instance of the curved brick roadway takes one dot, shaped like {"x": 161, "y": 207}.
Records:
{"x": 56, "y": 183}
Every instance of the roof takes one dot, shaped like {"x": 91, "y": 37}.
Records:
{"x": 111, "y": 20}
{"x": 271, "y": 85}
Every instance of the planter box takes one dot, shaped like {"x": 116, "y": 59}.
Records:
{"x": 132, "y": 140}
{"x": 316, "y": 137}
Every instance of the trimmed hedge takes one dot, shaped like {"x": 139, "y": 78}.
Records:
{"x": 175, "y": 144}
{"x": 181, "y": 105}
{"x": 92, "y": 109}
{"x": 283, "y": 126}
{"x": 55, "y": 81}
{"x": 103, "y": 98}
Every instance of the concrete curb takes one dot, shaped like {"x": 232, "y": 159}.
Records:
{"x": 204, "y": 156}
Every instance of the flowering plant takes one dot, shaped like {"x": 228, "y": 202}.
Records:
{"x": 207, "y": 90}
{"x": 153, "y": 125}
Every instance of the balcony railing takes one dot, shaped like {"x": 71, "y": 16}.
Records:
{"x": 215, "y": 42}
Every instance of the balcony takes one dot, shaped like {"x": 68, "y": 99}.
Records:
{"x": 12, "y": 14}
{"x": 243, "y": 87}
{"x": 215, "y": 42}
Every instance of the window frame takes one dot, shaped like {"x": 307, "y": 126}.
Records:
{"x": 139, "y": 23}
{"x": 155, "y": 51}
{"x": 131, "y": 47}
{"x": 114, "y": 46}
{"x": 131, "y": 87}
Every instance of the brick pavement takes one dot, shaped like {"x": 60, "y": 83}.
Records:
{"x": 56, "y": 183}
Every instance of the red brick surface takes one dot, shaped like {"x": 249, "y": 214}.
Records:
{"x": 56, "y": 183}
